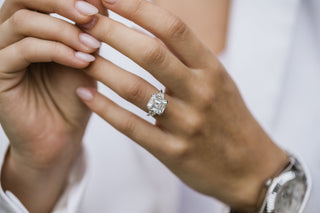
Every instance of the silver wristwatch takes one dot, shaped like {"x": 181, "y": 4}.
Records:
{"x": 289, "y": 191}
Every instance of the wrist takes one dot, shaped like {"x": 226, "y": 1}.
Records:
{"x": 45, "y": 153}
{"x": 253, "y": 190}
{"x": 37, "y": 186}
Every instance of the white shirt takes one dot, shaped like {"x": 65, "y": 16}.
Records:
{"x": 273, "y": 54}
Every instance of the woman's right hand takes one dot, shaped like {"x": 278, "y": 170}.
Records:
{"x": 39, "y": 111}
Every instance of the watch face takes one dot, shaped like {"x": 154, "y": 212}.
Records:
{"x": 290, "y": 197}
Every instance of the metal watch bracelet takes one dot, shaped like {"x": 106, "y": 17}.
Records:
{"x": 287, "y": 192}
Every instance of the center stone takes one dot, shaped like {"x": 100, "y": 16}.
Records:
{"x": 157, "y": 104}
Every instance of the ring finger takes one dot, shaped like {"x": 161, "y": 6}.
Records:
{"x": 147, "y": 135}
{"x": 129, "y": 86}
{"x": 138, "y": 91}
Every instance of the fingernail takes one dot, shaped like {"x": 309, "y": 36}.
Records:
{"x": 90, "y": 25}
{"x": 110, "y": 1}
{"x": 85, "y": 8}
{"x": 85, "y": 57}
{"x": 89, "y": 40}
{"x": 84, "y": 94}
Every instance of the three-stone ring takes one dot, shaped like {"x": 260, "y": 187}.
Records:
{"x": 157, "y": 104}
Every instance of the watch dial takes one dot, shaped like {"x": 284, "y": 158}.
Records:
{"x": 290, "y": 197}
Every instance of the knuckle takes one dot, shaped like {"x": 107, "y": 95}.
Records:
{"x": 135, "y": 8}
{"x": 154, "y": 53}
{"x": 108, "y": 27}
{"x": 25, "y": 48}
{"x": 205, "y": 96}
{"x": 193, "y": 124}
{"x": 19, "y": 18}
{"x": 64, "y": 29}
{"x": 27, "y": 44}
{"x": 129, "y": 126}
{"x": 179, "y": 150}
{"x": 177, "y": 28}
{"x": 135, "y": 91}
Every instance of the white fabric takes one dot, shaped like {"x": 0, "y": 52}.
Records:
{"x": 273, "y": 55}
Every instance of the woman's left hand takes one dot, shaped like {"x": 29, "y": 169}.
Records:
{"x": 206, "y": 135}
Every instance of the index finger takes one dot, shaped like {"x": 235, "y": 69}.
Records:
{"x": 146, "y": 51}
{"x": 170, "y": 29}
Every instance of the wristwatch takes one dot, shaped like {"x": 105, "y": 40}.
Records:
{"x": 289, "y": 191}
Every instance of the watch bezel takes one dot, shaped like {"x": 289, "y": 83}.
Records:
{"x": 275, "y": 188}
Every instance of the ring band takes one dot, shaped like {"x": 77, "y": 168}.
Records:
{"x": 157, "y": 104}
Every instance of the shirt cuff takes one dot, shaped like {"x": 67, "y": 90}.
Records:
{"x": 70, "y": 200}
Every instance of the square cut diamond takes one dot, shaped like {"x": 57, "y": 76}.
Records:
{"x": 157, "y": 104}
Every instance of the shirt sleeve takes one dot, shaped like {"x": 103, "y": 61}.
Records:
{"x": 70, "y": 200}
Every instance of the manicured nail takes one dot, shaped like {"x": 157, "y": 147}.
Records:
{"x": 84, "y": 94}
{"x": 89, "y": 41}
{"x": 85, "y": 8}
{"x": 85, "y": 57}
{"x": 110, "y": 1}
{"x": 90, "y": 25}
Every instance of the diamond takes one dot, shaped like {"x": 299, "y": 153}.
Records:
{"x": 157, "y": 104}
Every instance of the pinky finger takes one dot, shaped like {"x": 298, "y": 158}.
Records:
{"x": 145, "y": 134}
{"x": 33, "y": 50}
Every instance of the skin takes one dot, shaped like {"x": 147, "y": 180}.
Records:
{"x": 206, "y": 136}
{"x": 208, "y": 149}
{"x": 39, "y": 111}
{"x": 207, "y": 18}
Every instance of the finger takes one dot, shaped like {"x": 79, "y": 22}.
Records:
{"x": 139, "y": 130}
{"x": 182, "y": 120}
{"x": 32, "y": 50}
{"x": 78, "y": 11}
{"x": 129, "y": 86}
{"x": 26, "y": 23}
{"x": 146, "y": 51}
{"x": 166, "y": 26}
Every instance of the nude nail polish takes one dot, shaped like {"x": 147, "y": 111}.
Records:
{"x": 85, "y": 8}
{"x": 110, "y": 1}
{"x": 90, "y": 25}
{"x": 89, "y": 41}
{"x": 85, "y": 57}
{"x": 84, "y": 94}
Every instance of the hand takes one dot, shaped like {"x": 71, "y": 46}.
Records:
{"x": 40, "y": 56}
{"x": 206, "y": 135}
